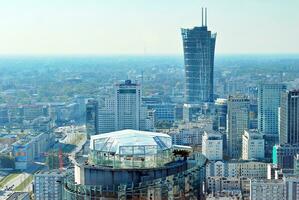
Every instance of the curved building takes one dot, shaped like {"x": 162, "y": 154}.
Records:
{"x": 132, "y": 164}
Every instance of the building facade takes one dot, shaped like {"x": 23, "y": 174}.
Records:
{"x": 48, "y": 185}
{"x": 289, "y": 118}
{"x": 253, "y": 145}
{"x": 92, "y": 107}
{"x": 267, "y": 189}
{"x": 127, "y": 105}
{"x": 199, "y": 50}
{"x": 237, "y": 123}
{"x": 212, "y": 145}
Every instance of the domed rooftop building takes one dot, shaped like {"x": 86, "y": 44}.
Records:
{"x": 131, "y": 164}
{"x": 131, "y": 149}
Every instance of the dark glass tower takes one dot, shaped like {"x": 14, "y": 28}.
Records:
{"x": 199, "y": 49}
{"x": 289, "y": 117}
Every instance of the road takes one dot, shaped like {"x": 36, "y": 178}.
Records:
{"x": 13, "y": 183}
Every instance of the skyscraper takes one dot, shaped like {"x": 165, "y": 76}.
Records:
{"x": 289, "y": 118}
{"x": 238, "y": 121}
{"x": 268, "y": 103}
{"x": 127, "y": 105}
{"x": 199, "y": 49}
{"x": 91, "y": 117}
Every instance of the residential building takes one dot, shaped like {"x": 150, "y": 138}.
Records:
{"x": 237, "y": 168}
{"x": 267, "y": 189}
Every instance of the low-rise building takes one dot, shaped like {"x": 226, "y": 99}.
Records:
{"x": 267, "y": 189}
{"x": 236, "y": 168}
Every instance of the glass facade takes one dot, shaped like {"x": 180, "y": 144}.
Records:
{"x": 199, "y": 48}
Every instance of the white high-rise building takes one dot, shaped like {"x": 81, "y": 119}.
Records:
{"x": 212, "y": 145}
{"x": 127, "y": 105}
{"x": 253, "y": 145}
{"x": 237, "y": 122}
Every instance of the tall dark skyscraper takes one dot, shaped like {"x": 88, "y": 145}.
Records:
{"x": 199, "y": 50}
{"x": 289, "y": 118}
{"x": 91, "y": 117}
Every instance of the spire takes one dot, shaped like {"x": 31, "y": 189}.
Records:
{"x": 202, "y": 16}
{"x": 206, "y": 17}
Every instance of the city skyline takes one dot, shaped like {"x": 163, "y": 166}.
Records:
{"x": 144, "y": 27}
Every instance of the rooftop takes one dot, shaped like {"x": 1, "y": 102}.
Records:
{"x": 118, "y": 141}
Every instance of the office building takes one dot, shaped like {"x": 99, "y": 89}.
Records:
{"x": 289, "y": 118}
{"x": 269, "y": 95}
{"x": 127, "y": 105}
{"x": 131, "y": 164}
{"x": 237, "y": 123}
{"x": 253, "y": 145}
{"x": 212, "y": 145}
{"x": 220, "y": 114}
{"x": 48, "y": 185}
{"x": 283, "y": 155}
{"x": 199, "y": 49}
{"x": 92, "y": 117}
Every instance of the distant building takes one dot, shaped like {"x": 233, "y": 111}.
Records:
{"x": 92, "y": 126}
{"x": 238, "y": 122}
{"x": 283, "y": 155}
{"x": 199, "y": 49}
{"x": 253, "y": 145}
{"x": 48, "y": 185}
{"x": 224, "y": 186}
{"x": 191, "y": 136}
{"x": 236, "y": 169}
{"x": 30, "y": 112}
{"x": 32, "y": 147}
{"x": 289, "y": 118}
{"x": 221, "y": 113}
{"x": 212, "y": 145}
{"x": 269, "y": 95}
{"x": 191, "y": 112}
{"x": 127, "y": 105}
{"x": 267, "y": 189}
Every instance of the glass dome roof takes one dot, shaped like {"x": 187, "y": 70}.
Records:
{"x": 131, "y": 142}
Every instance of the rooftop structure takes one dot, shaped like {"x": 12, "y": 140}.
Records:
{"x": 131, "y": 148}
{"x": 131, "y": 164}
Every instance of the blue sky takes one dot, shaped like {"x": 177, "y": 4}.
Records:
{"x": 145, "y": 26}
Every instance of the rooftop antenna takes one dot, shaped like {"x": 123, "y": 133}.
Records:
{"x": 206, "y": 17}
{"x": 201, "y": 16}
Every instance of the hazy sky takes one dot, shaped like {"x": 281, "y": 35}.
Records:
{"x": 145, "y": 26}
